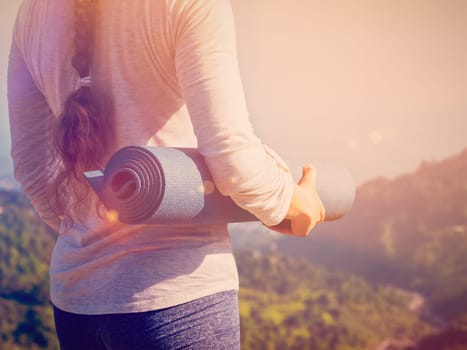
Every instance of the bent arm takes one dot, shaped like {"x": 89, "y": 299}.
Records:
{"x": 30, "y": 128}
{"x": 207, "y": 68}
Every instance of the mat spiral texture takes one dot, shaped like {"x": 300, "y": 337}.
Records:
{"x": 160, "y": 185}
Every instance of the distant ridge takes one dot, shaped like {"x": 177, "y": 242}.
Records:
{"x": 7, "y": 181}
{"x": 410, "y": 231}
{"x": 6, "y": 165}
{"x": 431, "y": 198}
{"x": 409, "y": 201}
{"x": 289, "y": 303}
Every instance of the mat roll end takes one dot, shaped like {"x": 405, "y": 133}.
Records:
{"x": 336, "y": 188}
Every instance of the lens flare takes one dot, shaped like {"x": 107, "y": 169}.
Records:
{"x": 111, "y": 216}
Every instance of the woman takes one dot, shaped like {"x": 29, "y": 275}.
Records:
{"x": 89, "y": 77}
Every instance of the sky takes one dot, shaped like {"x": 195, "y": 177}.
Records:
{"x": 377, "y": 86}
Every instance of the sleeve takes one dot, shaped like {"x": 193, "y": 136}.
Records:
{"x": 254, "y": 176}
{"x": 30, "y": 121}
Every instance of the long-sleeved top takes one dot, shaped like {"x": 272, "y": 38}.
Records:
{"x": 169, "y": 73}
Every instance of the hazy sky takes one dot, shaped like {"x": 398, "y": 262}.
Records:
{"x": 376, "y": 85}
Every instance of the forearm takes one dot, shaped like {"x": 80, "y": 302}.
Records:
{"x": 207, "y": 68}
{"x": 306, "y": 209}
{"x": 256, "y": 179}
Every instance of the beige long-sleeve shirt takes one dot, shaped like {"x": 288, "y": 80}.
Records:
{"x": 170, "y": 71}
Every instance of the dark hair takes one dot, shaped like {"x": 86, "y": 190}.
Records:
{"x": 82, "y": 135}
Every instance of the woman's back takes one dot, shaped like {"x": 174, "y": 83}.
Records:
{"x": 134, "y": 72}
{"x": 165, "y": 72}
{"x": 133, "y": 65}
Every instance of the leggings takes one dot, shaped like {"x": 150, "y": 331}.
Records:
{"x": 209, "y": 323}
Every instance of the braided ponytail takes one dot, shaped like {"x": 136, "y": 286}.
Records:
{"x": 81, "y": 137}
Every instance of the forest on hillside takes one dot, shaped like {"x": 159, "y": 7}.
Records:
{"x": 285, "y": 303}
{"x": 398, "y": 284}
{"x": 410, "y": 231}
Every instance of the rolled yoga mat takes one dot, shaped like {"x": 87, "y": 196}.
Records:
{"x": 160, "y": 185}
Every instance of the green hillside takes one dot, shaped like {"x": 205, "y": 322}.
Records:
{"x": 285, "y": 304}
{"x": 25, "y": 245}
{"x": 410, "y": 231}
{"x": 291, "y": 304}
{"x": 403, "y": 234}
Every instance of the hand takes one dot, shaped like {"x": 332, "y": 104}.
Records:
{"x": 306, "y": 209}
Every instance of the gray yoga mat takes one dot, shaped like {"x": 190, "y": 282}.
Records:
{"x": 161, "y": 185}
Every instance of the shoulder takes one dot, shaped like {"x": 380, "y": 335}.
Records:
{"x": 35, "y": 17}
{"x": 194, "y": 9}
{"x": 199, "y": 16}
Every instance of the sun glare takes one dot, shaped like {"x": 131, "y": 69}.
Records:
{"x": 111, "y": 216}
{"x": 207, "y": 187}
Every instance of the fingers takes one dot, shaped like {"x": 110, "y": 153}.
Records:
{"x": 306, "y": 209}
{"x": 322, "y": 214}
{"x": 308, "y": 176}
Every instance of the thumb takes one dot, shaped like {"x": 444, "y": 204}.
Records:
{"x": 308, "y": 176}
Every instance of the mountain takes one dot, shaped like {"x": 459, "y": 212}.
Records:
{"x": 390, "y": 275}
{"x": 6, "y": 165}
{"x": 285, "y": 303}
{"x": 410, "y": 231}
{"x": 25, "y": 245}
{"x": 7, "y": 180}
{"x": 288, "y": 303}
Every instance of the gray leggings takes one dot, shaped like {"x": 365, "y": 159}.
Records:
{"x": 209, "y": 323}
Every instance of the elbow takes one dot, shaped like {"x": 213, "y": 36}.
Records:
{"x": 263, "y": 186}
{"x": 269, "y": 206}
